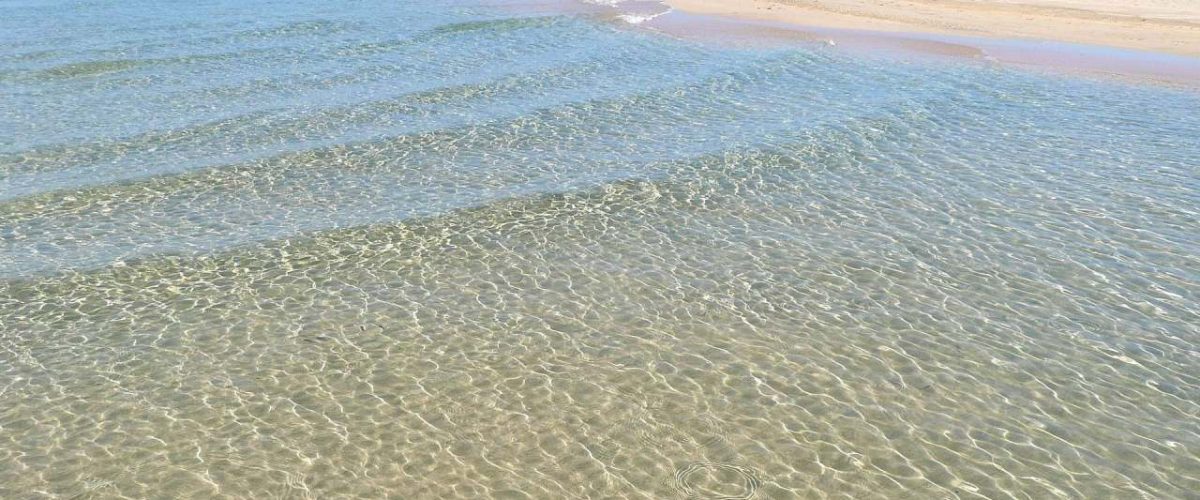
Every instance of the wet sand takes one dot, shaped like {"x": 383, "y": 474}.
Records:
{"x": 1167, "y": 69}
{"x": 1058, "y": 36}
{"x": 1167, "y": 26}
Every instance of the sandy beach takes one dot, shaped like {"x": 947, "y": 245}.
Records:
{"x": 1166, "y": 26}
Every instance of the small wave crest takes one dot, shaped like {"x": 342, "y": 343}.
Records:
{"x": 634, "y": 11}
{"x": 640, "y": 18}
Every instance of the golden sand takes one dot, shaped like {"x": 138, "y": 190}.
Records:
{"x": 1169, "y": 26}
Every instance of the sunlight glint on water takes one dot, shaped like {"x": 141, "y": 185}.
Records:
{"x": 435, "y": 249}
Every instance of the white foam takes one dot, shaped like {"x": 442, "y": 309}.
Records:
{"x": 640, "y": 18}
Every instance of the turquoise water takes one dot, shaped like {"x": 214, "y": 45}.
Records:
{"x": 447, "y": 249}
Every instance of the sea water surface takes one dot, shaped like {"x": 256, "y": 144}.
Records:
{"x": 446, "y": 249}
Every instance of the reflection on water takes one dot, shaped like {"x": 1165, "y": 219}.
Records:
{"x": 436, "y": 250}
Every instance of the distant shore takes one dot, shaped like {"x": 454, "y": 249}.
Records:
{"x": 1165, "y": 26}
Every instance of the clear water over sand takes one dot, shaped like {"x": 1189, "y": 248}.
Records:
{"x": 437, "y": 249}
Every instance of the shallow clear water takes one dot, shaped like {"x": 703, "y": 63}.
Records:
{"x": 441, "y": 249}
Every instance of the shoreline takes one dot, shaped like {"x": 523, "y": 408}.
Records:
{"x": 1159, "y": 26}
{"x": 1121, "y": 64}
{"x": 1054, "y": 36}
{"x": 1129, "y": 57}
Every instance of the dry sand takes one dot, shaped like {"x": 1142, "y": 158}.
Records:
{"x": 1167, "y": 26}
